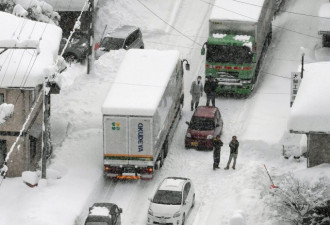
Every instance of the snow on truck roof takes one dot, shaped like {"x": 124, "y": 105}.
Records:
{"x": 140, "y": 82}
{"x": 324, "y": 14}
{"x": 244, "y": 10}
{"x": 24, "y": 67}
{"x": 310, "y": 111}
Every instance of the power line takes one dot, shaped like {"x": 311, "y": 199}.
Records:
{"x": 285, "y": 11}
{"x": 168, "y": 24}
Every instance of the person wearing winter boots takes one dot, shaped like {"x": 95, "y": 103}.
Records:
{"x": 233, "y": 152}
{"x": 210, "y": 90}
{"x": 196, "y": 91}
{"x": 217, "y": 143}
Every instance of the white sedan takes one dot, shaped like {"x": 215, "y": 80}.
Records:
{"x": 173, "y": 199}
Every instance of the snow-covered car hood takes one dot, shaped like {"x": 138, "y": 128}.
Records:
{"x": 164, "y": 210}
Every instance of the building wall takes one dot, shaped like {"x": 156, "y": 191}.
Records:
{"x": 318, "y": 149}
{"x": 21, "y": 158}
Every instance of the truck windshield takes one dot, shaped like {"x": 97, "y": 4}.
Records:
{"x": 200, "y": 123}
{"x": 229, "y": 54}
{"x": 109, "y": 43}
{"x": 167, "y": 197}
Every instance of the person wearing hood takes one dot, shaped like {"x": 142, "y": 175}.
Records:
{"x": 196, "y": 91}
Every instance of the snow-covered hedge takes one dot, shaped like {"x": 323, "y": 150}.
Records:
{"x": 32, "y": 9}
{"x": 299, "y": 202}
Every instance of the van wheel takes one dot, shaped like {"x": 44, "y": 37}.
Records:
{"x": 142, "y": 47}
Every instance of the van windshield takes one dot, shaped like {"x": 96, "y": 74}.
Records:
{"x": 109, "y": 43}
{"x": 167, "y": 197}
{"x": 200, "y": 123}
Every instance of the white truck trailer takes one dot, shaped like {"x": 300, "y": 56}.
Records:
{"x": 141, "y": 113}
{"x": 239, "y": 34}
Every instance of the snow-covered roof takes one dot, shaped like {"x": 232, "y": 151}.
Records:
{"x": 324, "y": 14}
{"x": 68, "y": 5}
{"x": 244, "y": 10}
{"x": 311, "y": 109}
{"x": 26, "y": 68}
{"x": 122, "y": 32}
{"x": 99, "y": 211}
{"x": 172, "y": 184}
{"x": 140, "y": 82}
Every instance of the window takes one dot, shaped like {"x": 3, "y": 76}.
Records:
{"x": 2, "y": 98}
{"x": 130, "y": 40}
{"x": 3, "y": 151}
{"x": 186, "y": 191}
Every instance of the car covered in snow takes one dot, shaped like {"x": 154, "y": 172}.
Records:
{"x": 172, "y": 201}
{"x": 205, "y": 124}
{"x": 104, "y": 214}
{"x": 125, "y": 37}
{"x": 77, "y": 49}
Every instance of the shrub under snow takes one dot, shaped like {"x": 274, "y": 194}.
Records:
{"x": 32, "y": 9}
{"x": 295, "y": 201}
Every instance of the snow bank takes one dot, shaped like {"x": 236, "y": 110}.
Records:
{"x": 310, "y": 111}
{"x": 237, "y": 218}
{"x": 26, "y": 67}
{"x": 72, "y": 5}
{"x": 19, "y": 11}
{"x": 5, "y": 111}
{"x": 30, "y": 178}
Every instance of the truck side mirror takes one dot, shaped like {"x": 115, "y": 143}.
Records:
{"x": 203, "y": 51}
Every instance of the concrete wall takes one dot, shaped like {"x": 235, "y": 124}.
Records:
{"x": 318, "y": 149}
{"x": 20, "y": 159}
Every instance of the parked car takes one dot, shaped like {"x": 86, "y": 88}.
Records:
{"x": 125, "y": 37}
{"x": 104, "y": 214}
{"x": 205, "y": 123}
{"x": 77, "y": 49}
{"x": 172, "y": 201}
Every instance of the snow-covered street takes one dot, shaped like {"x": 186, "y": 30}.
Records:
{"x": 75, "y": 170}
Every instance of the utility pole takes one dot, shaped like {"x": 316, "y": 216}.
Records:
{"x": 302, "y": 65}
{"x": 90, "y": 34}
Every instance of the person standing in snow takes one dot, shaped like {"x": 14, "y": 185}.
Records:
{"x": 3, "y": 170}
{"x": 217, "y": 143}
{"x": 233, "y": 145}
{"x": 210, "y": 90}
{"x": 196, "y": 91}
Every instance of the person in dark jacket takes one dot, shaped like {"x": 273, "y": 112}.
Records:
{"x": 196, "y": 91}
{"x": 233, "y": 145}
{"x": 217, "y": 143}
{"x": 210, "y": 90}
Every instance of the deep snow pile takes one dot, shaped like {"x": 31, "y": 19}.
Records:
{"x": 32, "y": 9}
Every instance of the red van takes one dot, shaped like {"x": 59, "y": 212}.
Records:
{"x": 205, "y": 123}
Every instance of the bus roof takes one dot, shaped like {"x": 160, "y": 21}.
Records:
{"x": 140, "y": 82}
{"x": 243, "y": 10}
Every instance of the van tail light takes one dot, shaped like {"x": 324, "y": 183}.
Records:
{"x": 96, "y": 46}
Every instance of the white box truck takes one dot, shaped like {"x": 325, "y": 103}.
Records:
{"x": 141, "y": 112}
{"x": 239, "y": 34}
